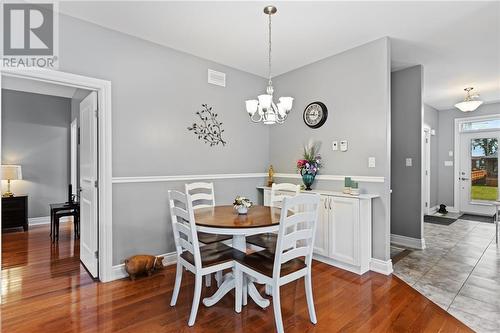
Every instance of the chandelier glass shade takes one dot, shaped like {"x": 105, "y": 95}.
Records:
{"x": 263, "y": 109}
{"x": 470, "y": 103}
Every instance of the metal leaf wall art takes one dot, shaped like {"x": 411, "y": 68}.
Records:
{"x": 209, "y": 129}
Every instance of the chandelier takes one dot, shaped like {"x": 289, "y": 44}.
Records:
{"x": 264, "y": 109}
{"x": 469, "y": 103}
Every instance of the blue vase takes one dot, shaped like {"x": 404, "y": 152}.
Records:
{"x": 308, "y": 179}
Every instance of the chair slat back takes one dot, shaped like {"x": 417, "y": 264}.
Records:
{"x": 282, "y": 191}
{"x": 202, "y": 194}
{"x": 183, "y": 225}
{"x": 297, "y": 230}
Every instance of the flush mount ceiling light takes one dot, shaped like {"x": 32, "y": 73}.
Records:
{"x": 266, "y": 110}
{"x": 469, "y": 103}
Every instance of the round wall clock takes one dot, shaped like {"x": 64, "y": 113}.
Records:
{"x": 315, "y": 114}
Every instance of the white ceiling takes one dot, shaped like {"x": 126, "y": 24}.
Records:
{"x": 457, "y": 42}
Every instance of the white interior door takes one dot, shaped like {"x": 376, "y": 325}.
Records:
{"x": 478, "y": 179}
{"x": 88, "y": 184}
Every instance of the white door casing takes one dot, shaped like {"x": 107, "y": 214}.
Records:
{"x": 88, "y": 184}
{"x": 426, "y": 171}
{"x": 467, "y": 204}
{"x": 74, "y": 152}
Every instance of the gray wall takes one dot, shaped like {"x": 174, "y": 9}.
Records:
{"x": 446, "y": 138}
{"x": 354, "y": 85}
{"x": 407, "y": 117}
{"x": 431, "y": 119}
{"x": 155, "y": 94}
{"x": 35, "y": 135}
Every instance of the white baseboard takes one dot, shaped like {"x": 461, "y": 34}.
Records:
{"x": 452, "y": 209}
{"x": 381, "y": 266}
{"x": 46, "y": 220}
{"x": 408, "y": 242}
{"x": 120, "y": 273}
{"x": 360, "y": 270}
{"x": 434, "y": 209}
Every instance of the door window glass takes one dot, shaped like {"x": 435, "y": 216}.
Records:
{"x": 484, "y": 169}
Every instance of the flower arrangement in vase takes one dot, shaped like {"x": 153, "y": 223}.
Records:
{"x": 241, "y": 204}
{"x": 310, "y": 164}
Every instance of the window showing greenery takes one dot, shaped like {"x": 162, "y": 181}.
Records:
{"x": 484, "y": 169}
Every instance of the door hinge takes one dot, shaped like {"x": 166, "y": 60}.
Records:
{"x": 96, "y": 183}
{"x": 96, "y": 254}
{"x": 96, "y": 112}
{"x": 426, "y": 204}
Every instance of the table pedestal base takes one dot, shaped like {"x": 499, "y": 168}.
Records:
{"x": 228, "y": 285}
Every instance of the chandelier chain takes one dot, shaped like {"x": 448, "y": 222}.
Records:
{"x": 270, "y": 50}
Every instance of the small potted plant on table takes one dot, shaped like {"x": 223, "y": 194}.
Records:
{"x": 241, "y": 204}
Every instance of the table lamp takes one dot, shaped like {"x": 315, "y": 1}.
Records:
{"x": 11, "y": 172}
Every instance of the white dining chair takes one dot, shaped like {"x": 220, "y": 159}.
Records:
{"x": 198, "y": 260}
{"x": 278, "y": 193}
{"x": 293, "y": 256}
{"x": 282, "y": 191}
{"x": 268, "y": 240}
{"x": 203, "y": 196}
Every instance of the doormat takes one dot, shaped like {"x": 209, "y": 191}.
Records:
{"x": 478, "y": 218}
{"x": 438, "y": 220}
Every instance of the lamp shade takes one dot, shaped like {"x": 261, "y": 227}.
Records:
{"x": 11, "y": 172}
{"x": 265, "y": 101}
{"x": 468, "y": 106}
{"x": 252, "y": 106}
{"x": 287, "y": 103}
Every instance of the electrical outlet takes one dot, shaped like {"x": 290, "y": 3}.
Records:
{"x": 371, "y": 162}
{"x": 335, "y": 145}
{"x": 408, "y": 162}
{"x": 450, "y": 153}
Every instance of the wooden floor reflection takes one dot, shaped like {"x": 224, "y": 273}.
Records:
{"x": 45, "y": 289}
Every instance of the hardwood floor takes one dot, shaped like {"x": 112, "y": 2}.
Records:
{"x": 45, "y": 289}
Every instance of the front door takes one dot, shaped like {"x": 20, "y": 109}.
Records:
{"x": 478, "y": 178}
{"x": 88, "y": 184}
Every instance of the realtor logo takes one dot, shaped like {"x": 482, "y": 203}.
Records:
{"x": 29, "y": 35}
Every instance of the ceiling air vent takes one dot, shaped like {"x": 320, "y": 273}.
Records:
{"x": 217, "y": 78}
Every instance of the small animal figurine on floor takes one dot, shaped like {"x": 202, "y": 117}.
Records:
{"x": 142, "y": 264}
{"x": 442, "y": 209}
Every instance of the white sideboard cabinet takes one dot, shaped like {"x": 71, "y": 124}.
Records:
{"x": 344, "y": 231}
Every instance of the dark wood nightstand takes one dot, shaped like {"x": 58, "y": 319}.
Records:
{"x": 15, "y": 212}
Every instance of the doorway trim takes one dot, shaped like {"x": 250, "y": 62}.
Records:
{"x": 73, "y": 154}
{"x": 426, "y": 170}
{"x": 456, "y": 155}
{"x": 103, "y": 89}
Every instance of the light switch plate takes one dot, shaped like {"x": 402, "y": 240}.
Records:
{"x": 371, "y": 162}
{"x": 343, "y": 145}
{"x": 408, "y": 162}
{"x": 450, "y": 153}
{"x": 448, "y": 163}
{"x": 335, "y": 145}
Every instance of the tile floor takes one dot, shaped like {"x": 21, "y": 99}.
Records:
{"x": 459, "y": 270}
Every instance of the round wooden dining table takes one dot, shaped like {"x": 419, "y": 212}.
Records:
{"x": 224, "y": 220}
